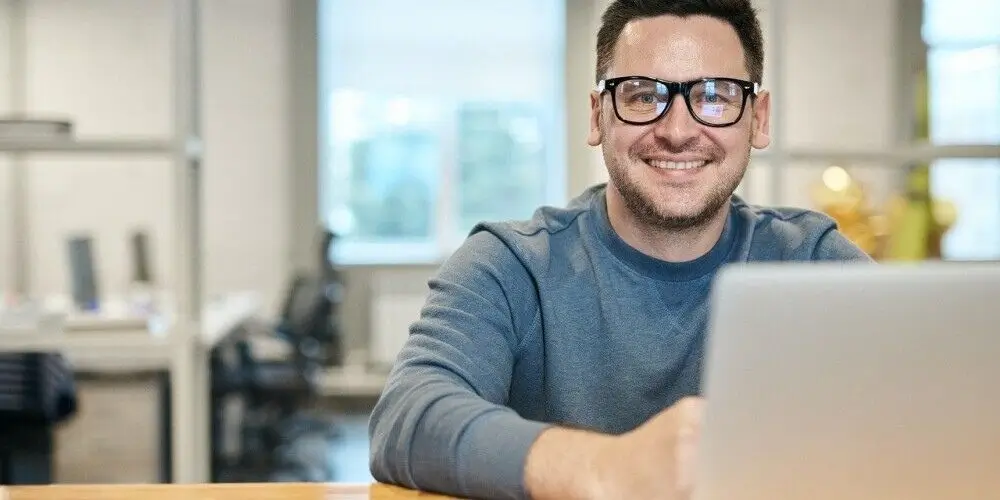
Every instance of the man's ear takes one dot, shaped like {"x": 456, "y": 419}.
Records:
{"x": 594, "y": 137}
{"x": 760, "y": 126}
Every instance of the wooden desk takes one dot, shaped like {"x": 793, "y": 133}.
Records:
{"x": 272, "y": 491}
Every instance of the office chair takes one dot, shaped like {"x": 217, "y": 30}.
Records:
{"x": 276, "y": 440}
{"x": 37, "y": 392}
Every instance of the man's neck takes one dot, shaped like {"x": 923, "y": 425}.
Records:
{"x": 664, "y": 244}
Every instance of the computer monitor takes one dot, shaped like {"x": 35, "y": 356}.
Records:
{"x": 83, "y": 273}
{"x": 861, "y": 382}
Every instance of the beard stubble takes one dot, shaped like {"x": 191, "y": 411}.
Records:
{"x": 645, "y": 209}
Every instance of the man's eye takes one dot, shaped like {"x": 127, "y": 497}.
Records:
{"x": 648, "y": 98}
{"x": 712, "y": 98}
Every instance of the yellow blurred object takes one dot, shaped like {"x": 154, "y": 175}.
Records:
{"x": 911, "y": 220}
{"x": 911, "y": 228}
{"x": 946, "y": 214}
{"x": 916, "y": 222}
{"x": 844, "y": 199}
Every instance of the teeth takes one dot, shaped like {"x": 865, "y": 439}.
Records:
{"x": 673, "y": 165}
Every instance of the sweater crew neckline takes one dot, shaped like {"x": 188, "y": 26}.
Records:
{"x": 657, "y": 268}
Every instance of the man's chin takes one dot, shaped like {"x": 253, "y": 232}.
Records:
{"x": 681, "y": 222}
{"x": 667, "y": 208}
{"x": 685, "y": 217}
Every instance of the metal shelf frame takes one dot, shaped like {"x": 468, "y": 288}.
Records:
{"x": 899, "y": 155}
{"x": 90, "y": 146}
{"x": 188, "y": 355}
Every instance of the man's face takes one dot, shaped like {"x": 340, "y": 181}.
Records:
{"x": 677, "y": 173}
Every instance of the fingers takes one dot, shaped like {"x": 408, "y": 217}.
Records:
{"x": 688, "y": 439}
{"x": 686, "y": 411}
{"x": 689, "y": 416}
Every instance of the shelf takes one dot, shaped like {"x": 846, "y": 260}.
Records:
{"x": 895, "y": 156}
{"x": 123, "y": 344}
{"x": 80, "y": 323}
{"x": 351, "y": 382}
{"x": 105, "y": 352}
{"x": 110, "y": 342}
{"x": 221, "y": 317}
{"x": 108, "y": 345}
{"x": 96, "y": 146}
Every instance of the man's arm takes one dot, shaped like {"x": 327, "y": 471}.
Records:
{"x": 441, "y": 424}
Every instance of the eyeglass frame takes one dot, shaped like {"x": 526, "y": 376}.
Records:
{"x": 750, "y": 90}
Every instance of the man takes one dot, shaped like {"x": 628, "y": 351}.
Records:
{"x": 560, "y": 357}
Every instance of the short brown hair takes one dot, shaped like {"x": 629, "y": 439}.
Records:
{"x": 739, "y": 14}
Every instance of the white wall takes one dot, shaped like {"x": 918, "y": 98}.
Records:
{"x": 5, "y": 181}
{"x": 837, "y": 87}
{"x": 107, "y": 64}
{"x": 586, "y": 165}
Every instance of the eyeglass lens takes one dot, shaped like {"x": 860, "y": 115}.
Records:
{"x": 717, "y": 102}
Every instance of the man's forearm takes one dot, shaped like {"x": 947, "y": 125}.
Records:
{"x": 563, "y": 464}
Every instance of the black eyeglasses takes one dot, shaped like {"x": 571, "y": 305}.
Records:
{"x": 714, "y": 102}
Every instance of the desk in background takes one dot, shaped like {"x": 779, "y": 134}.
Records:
{"x": 271, "y": 491}
{"x": 101, "y": 344}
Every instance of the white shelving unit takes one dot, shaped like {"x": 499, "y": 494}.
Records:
{"x": 184, "y": 349}
{"x": 103, "y": 147}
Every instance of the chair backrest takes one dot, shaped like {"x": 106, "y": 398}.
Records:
{"x": 308, "y": 317}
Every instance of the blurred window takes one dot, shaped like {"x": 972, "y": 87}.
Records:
{"x": 436, "y": 115}
{"x": 963, "y": 42}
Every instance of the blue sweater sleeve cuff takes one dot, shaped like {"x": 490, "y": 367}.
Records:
{"x": 485, "y": 457}
{"x": 492, "y": 454}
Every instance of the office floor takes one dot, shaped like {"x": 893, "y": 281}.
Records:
{"x": 107, "y": 406}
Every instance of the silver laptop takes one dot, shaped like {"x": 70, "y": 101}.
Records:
{"x": 853, "y": 382}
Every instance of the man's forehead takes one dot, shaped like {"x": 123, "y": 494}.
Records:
{"x": 678, "y": 48}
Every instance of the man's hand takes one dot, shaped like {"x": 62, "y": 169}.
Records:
{"x": 654, "y": 461}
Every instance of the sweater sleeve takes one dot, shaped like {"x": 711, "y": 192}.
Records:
{"x": 441, "y": 423}
{"x": 834, "y": 246}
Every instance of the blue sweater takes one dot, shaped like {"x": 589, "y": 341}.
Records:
{"x": 557, "y": 321}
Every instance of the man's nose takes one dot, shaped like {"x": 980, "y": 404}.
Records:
{"x": 678, "y": 126}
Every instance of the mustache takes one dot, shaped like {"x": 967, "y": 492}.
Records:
{"x": 694, "y": 146}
